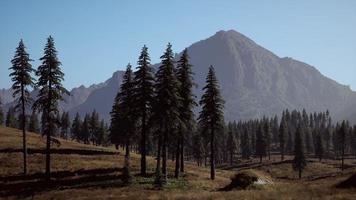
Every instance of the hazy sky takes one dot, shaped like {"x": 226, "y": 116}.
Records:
{"x": 96, "y": 38}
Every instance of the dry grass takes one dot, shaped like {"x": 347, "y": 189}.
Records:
{"x": 318, "y": 182}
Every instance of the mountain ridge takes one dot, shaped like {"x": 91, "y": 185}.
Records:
{"x": 254, "y": 81}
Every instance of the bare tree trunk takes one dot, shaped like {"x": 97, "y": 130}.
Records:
{"x": 164, "y": 155}
{"x": 212, "y": 155}
{"x": 176, "y": 172}
{"x": 182, "y": 154}
{"x": 143, "y": 144}
{"x": 24, "y": 146}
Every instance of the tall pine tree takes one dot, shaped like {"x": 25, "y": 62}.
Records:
{"x": 168, "y": 99}
{"x": 211, "y": 116}
{"x": 124, "y": 119}
{"x": 22, "y": 79}
{"x": 76, "y": 128}
{"x": 185, "y": 77}
{"x": 50, "y": 92}
{"x": 299, "y": 161}
{"x": 143, "y": 81}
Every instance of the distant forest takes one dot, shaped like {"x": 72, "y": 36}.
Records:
{"x": 152, "y": 115}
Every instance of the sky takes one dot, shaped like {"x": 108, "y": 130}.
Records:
{"x": 95, "y": 38}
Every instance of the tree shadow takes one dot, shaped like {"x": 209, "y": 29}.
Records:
{"x": 24, "y": 186}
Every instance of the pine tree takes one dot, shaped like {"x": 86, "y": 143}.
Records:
{"x": 168, "y": 99}
{"x": 124, "y": 119}
{"x": 268, "y": 137}
{"x": 143, "y": 81}
{"x": 245, "y": 144}
{"x": 211, "y": 116}
{"x": 34, "y": 123}
{"x": 282, "y": 136}
{"x": 260, "y": 143}
{"x": 342, "y": 141}
{"x": 299, "y": 161}
{"x": 94, "y": 127}
{"x": 50, "y": 92}
{"x": 185, "y": 78}
{"x": 21, "y": 78}
{"x": 76, "y": 128}
{"x": 85, "y": 130}
{"x": 231, "y": 143}
{"x": 319, "y": 150}
{"x": 65, "y": 125}
{"x": 1, "y": 114}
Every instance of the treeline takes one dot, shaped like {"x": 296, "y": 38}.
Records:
{"x": 88, "y": 130}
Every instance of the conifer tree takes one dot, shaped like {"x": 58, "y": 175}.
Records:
{"x": 94, "y": 127}
{"x": 299, "y": 161}
{"x": 231, "y": 143}
{"x": 85, "y": 130}
{"x": 1, "y": 114}
{"x": 260, "y": 143}
{"x": 319, "y": 150}
{"x": 282, "y": 136}
{"x": 185, "y": 78}
{"x": 65, "y": 125}
{"x": 342, "y": 141}
{"x": 211, "y": 115}
{"x": 34, "y": 123}
{"x": 245, "y": 144}
{"x": 22, "y": 79}
{"x": 268, "y": 137}
{"x": 124, "y": 119}
{"x": 169, "y": 101}
{"x": 143, "y": 81}
{"x": 50, "y": 92}
{"x": 76, "y": 128}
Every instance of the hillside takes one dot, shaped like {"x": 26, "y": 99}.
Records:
{"x": 254, "y": 81}
{"x": 94, "y": 173}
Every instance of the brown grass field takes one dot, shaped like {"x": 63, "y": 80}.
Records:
{"x": 92, "y": 172}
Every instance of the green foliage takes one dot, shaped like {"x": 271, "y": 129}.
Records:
{"x": 10, "y": 120}
{"x": 211, "y": 116}
{"x": 143, "y": 95}
{"x": 76, "y": 128}
{"x": 299, "y": 161}
{"x": 34, "y": 123}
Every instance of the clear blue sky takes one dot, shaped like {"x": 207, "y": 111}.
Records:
{"x": 96, "y": 38}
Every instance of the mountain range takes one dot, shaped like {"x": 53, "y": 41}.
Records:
{"x": 253, "y": 80}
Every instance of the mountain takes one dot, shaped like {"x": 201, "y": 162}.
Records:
{"x": 254, "y": 81}
{"x": 6, "y": 96}
{"x": 102, "y": 98}
{"x": 77, "y": 97}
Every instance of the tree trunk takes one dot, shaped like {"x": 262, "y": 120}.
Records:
{"x": 164, "y": 154}
{"x": 143, "y": 144}
{"x": 231, "y": 157}
{"x": 176, "y": 172}
{"x": 182, "y": 154}
{"x": 24, "y": 132}
{"x": 342, "y": 157}
{"x": 49, "y": 133}
{"x": 300, "y": 173}
{"x": 212, "y": 155}
{"x": 159, "y": 150}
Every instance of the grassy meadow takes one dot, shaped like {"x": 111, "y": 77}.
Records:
{"x": 93, "y": 172}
